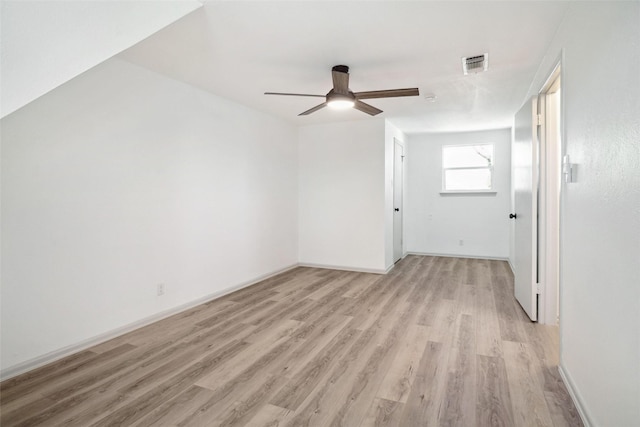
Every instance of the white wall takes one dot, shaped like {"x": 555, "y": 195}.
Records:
{"x": 392, "y": 134}
{"x": 122, "y": 179}
{"x": 600, "y": 219}
{"x": 436, "y": 223}
{"x": 46, "y": 43}
{"x": 342, "y": 195}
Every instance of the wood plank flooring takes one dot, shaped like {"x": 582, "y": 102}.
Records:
{"x": 437, "y": 341}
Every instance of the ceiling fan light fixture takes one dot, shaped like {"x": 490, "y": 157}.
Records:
{"x": 340, "y": 101}
{"x": 340, "y": 104}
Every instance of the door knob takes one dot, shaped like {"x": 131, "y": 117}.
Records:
{"x": 513, "y": 216}
{"x": 397, "y": 209}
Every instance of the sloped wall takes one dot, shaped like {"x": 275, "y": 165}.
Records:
{"x": 47, "y": 43}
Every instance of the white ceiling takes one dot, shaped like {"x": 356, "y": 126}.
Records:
{"x": 239, "y": 50}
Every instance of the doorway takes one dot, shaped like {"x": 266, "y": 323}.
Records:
{"x": 398, "y": 161}
{"x": 536, "y": 155}
{"x": 550, "y": 137}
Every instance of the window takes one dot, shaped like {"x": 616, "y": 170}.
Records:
{"x": 467, "y": 168}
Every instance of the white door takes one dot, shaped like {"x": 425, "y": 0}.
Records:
{"x": 525, "y": 185}
{"x": 398, "y": 158}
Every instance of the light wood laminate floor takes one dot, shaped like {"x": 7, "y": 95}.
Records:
{"x": 437, "y": 341}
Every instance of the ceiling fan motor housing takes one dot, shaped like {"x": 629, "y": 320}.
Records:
{"x": 340, "y": 68}
{"x": 335, "y": 96}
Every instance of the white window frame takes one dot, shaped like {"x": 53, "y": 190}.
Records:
{"x": 490, "y": 190}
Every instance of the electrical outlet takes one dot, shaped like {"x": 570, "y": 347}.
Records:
{"x": 160, "y": 289}
{"x": 461, "y": 242}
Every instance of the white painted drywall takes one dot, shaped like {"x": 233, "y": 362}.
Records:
{"x": 600, "y": 213}
{"x": 436, "y": 223}
{"x": 391, "y": 135}
{"x": 342, "y": 195}
{"x": 122, "y": 179}
{"x": 46, "y": 43}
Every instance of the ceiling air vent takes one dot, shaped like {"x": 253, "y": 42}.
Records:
{"x": 475, "y": 64}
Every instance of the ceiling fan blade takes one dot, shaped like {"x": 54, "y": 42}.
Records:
{"x": 313, "y": 110}
{"x": 294, "y": 94}
{"x": 391, "y": 93}
{"x": 340, "y": 75}
{"x": 366, "y": 108}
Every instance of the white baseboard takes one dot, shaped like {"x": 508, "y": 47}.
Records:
{"x": 575, "y": 396}
{"x": 458, "y": 256}
{"x": 513, "y": 269}
{"x": 345, "y": 268}
{"x": 55, "y": 355}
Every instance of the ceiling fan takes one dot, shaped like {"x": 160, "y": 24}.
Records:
{"x": 342, "y": 97}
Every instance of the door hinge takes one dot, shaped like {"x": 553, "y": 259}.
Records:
{"x": 539, "y": 119}
{"x": 538, "y": 288}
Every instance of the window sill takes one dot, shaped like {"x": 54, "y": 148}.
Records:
{"x": 469, "y": 193}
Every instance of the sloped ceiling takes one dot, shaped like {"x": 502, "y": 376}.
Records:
{"x": 47, "y": 43}
{"x": 239, "y": 50}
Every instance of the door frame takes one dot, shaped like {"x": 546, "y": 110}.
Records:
{"x": 550, "y": 209}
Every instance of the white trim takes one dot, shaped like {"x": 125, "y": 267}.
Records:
{"x": 575, "y": 397}
{"x": 390, "y": 267}
{"x": 550, "y": 215}
{"x": 346, "y": 268}
{"x": 469, "y": 192}
{"x": 459, "y": 256}
{"x": 513, "y": 269}
{"x": 55, "y": 355}
{"x": 550, "y": 187}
